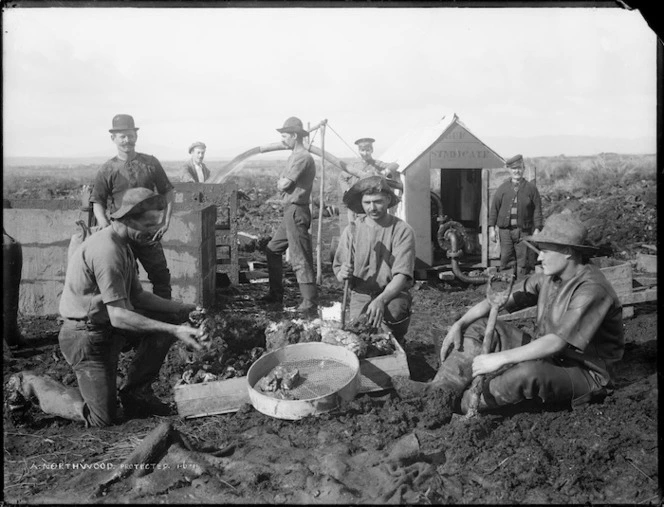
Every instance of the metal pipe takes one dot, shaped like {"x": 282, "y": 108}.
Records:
{"x": 453, "y": 255}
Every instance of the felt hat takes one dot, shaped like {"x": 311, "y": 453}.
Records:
{"x": 138, "y": 200}
{"x": 563, "y": 229}
{"x": 122, "y": 122}
{"x": 293, "y": 125}
{"x": 515, "y": 161}
{"x": 365, "y": 140}
{"x": 369, "y": 185}
{"x": 197, "y": 144}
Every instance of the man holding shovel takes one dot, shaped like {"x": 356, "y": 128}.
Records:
{"x": 377, "y": 254}
{"x": 106, "y": 311}
{"x": 579, "y": 333}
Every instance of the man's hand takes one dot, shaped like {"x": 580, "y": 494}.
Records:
{"x": 452, "y": 340}
{"x": 188, "y": 335}
{"x": 345, "y": 272}
{"x": 160, "y": 233}
{"x": 375, "y": 312}
{"x": 492, "y": 234}
{"x": 487, "y": 363}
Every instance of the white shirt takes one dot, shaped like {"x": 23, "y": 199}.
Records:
{"x": 199, "y": 172}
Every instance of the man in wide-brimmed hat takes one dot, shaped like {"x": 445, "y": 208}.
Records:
{"x": 579, "y": 333}
{"x": 364, "y": 166}
{"x": 130, "y": 169}
{"x": 195, "y": 169}
{"x": 515, "y": 212}
{"x": 106, "y": 311}
{"x": 295, "y": 185}
{"x": 377, "y": 254}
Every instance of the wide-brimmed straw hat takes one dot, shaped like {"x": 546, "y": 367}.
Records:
{"x": 563, "y": 229}
{"x": 293, "y": 125}
{"x": 122, "y": 122}
{"x": 369, "y": 185}
{"x": 139, "y": 200}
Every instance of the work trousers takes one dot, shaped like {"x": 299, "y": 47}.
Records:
{"x": 397, "y": 311}
{"x": 548, "y": 380}
{"x": 514, "y": 250}
{"x": 293, "y": 233}
{"x": 93, "y": 353}
{"x": 152, "y": 258}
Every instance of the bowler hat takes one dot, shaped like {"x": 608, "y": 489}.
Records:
{"x": 139, "y": 200}
{"x": 293, "y": 125}
{"x": 197, "y": 144}
{"x": 365, "y": 140}
{"x": 515, "y": 161}
{"x": 563, "y": 229}
{"x": 123, "y": 122}
{"x": 369, "y": 185}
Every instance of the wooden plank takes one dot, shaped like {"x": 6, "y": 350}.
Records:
{"x": 228, "y": 396}
{"x": 646, "y": 263}
{"x": 640, "y": 297}
{"x": 526, "y": 313}
{"x": 620, "y": 278}
{"x": 645, "y": 281}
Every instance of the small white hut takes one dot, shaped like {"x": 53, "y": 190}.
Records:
{"x": 448, "y": 160}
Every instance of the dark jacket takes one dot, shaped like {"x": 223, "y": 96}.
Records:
{"x": 529, "y": 206}
{"x": 189, "y": 172}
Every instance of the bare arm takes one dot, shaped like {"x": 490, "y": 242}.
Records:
{"x": 100, "y": 214}
{"x": 123, "y": 318}
{"x": 285, "y": 184}
{"x": 170, "y": 200}
{"x": 543, "y": 347}
{"x": 148, "y": 301}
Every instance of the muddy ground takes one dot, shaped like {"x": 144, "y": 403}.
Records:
{"x": 375, "y": 449}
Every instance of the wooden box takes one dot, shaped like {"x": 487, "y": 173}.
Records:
{"x": 227, "y": 396}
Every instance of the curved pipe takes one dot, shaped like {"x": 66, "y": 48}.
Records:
{"x": 454, "y": 253}
{"x": 224, "y": 172}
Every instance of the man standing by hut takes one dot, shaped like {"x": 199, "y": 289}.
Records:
{"x": 194, "y": 170}
{"x": 365, "y": 166}
{"x": 376, "y": 253}
{"x": 516, "y": 211}
{"x": 129, "y": 169}
{"x": 295, "y": 185}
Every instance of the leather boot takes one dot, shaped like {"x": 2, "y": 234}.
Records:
{"x": 275, "y": 274}
{"x": 309, "y": 305}
{"x": 408, "y": 389}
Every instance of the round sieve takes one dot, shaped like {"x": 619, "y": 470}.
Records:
{"x": 327, "y": 374}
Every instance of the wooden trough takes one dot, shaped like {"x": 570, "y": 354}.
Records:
{"x": 629, "y": 288}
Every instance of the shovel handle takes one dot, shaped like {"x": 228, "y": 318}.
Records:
{"x": 344, "y": 303}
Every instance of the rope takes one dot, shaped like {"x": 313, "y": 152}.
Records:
{"x": 343, "y": 140}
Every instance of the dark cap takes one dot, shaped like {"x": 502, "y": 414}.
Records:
{"x": 139, "y": 200}
{"x": 365, "y": 140}
{"x": 123, "y": 122}
{"x": 197, "y": 144}
{"x": 515, "y": 161}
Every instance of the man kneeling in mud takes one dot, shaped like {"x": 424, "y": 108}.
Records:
{"x": 579, "y": 334}
{"x": 100, "y": 303}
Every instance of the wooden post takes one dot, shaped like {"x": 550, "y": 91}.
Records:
{"x": 311, "y": 201}
{"x": 319, "y": 240}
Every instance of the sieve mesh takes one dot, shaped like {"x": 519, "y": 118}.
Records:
{"x": 318, "y": 377}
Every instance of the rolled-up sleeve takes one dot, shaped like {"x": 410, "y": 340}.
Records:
{"x": 403, "y": 250}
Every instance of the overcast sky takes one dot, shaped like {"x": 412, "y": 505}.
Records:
{"x": 229, "y": 77}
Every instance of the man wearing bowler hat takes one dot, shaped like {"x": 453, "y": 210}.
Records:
{"x": 130, "y": 169}
{"x": 295, "y": 185}
{"x": 578, "y": 339}
{"x": 516, "y": 211}
{"x": 194, "y": 169}
{"x": 106, "y": 311}
{"x": 365, "y": 166}
{"x": 376, "y": 253}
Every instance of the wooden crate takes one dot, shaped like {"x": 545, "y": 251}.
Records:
{"x": 227, "y": 396}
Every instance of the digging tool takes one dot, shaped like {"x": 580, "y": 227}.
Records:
{"x": 496, "y": 300}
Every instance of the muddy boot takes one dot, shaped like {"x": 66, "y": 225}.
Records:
{"x": 54, "y": 398}
{"x": 407, "y": 388}
{"x": 275, "y": 274}
{"x": 143, "y": 403}
{"x": 309, "y": 306}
